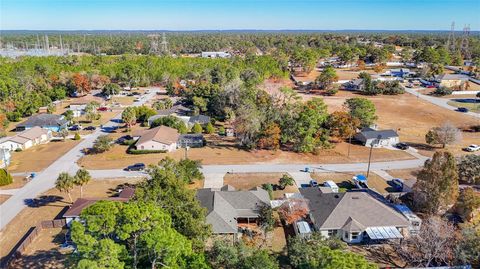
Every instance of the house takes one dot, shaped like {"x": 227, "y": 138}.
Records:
{"x": 176, "y": 110}
{"x": 26, "y": 139}
{"x": 191, "y": 140}
{"x": 354, "y": 216}
{"x": 73, "y": 213}
{"x": 159, "y": 138}
{"x": 229, "y": 209}
{"x": 78, "y": 105}
{"x": 200, "y": 119}
{"x": 354, "y": 85}
{"x": 52, "y": 122}
{"x": 453, "y": 81}
{"x": 370, "y": 137}
{"x": 216, "y": 54}
{"x": 400, "y": 72}
{"x": 5, "y": 157}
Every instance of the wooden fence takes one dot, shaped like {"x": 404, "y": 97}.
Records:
{"x": 28, "y": 238}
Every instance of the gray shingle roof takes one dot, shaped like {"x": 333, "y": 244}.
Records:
{"x": 370, "y": 133}
{"x": 226, "y": 205}
{"x": 352, "y": 210}
{"x": 44, "y": 120}
{"x": 201, "y": 119}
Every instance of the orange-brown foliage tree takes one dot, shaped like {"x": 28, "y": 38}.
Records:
{"x": 293, "y": 210}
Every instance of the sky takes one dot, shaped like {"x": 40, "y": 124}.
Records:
{"x": 236, "y": 14}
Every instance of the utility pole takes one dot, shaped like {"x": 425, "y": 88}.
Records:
{"x": 370, "y": 155}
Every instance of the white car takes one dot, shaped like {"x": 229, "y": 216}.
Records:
{"x": 472, "y": 148}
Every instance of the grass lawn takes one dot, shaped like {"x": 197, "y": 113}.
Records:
{"x": 247, "y": 181}
{"x": 30, "y": 216}
{"x": 473, "y": 107}
{"x": 344, "y": 180}
{"x": 39, "y": 157}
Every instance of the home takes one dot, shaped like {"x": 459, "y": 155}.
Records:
{"x": 5, "y": 157}
{"x": 26, "y": 139}
{"x": 78, "y": 105}
{"x": 215, "y": 54}
{"x": 453, "y": 81}
{"x": 159, "y": 138}
{"x": 177, "y": 110}
{"x": 73, "y": 213}
{"x": 229, "y": 210}
{"x": 354, "y": 85}
{"x": 399, "y": 72}
{"x": 354, "y": 216}
{"x": 200, "y": 119}
{"x": 55, "y": 123}
{"x": 191, "y": 140}
{"x": 373, "y": 138}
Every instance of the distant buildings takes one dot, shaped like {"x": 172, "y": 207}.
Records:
{"x": 453, "y": 81}
{"x": 216, "y": 54}
{"x": 55, "y": 123}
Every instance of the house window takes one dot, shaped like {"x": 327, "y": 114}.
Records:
{"x": 332, "y": 232}
{"x": 346, "y": 235}
{"x": 355, "y": 236}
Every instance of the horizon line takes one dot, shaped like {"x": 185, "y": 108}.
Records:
{"x": 237, "y": 29}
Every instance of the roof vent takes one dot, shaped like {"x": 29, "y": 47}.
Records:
{"x": 336, "y": 196}
{"x": 355, "y": 197}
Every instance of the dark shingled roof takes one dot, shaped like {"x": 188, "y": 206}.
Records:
{"x": 44, "y": 120}
{"x": 201, "y": 119}
{"x": 369, "y": 133}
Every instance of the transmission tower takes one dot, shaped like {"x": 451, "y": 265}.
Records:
{"x": 164, "y": 43}
{"x": 465, "y": 40}
{"x": 451, "y": 38}
{"x": 47, "y": 45}
{"x": 154, "y": 44}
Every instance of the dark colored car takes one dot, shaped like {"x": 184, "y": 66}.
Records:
{"x": 136, "y": 167}
{"x": 313, "y": 183}
{"x": 90, "y": 128}
{"x": 402, "y": 146}
{"x": 462, "y": 109}
{"x": 75, "y": 128}
{"x": 102, "y": 108}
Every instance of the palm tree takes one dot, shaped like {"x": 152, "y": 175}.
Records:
{"x": 65, "y": 183}
{"x": 82, "y": 177}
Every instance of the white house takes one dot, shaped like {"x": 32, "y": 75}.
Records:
{"x": 354, "y": 216}
{"x": 383, "y": 138}
{"x": 26, "y": 139}
{"x": 216, "y": 54}
{"x": 159, "y": 138}
{"x": 78, "y": 105}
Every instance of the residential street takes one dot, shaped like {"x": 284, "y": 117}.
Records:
{"x": 67, "y": 163}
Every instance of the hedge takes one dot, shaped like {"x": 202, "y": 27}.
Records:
{"x": 5, "y": 177}
{"x": 140, "y": 151}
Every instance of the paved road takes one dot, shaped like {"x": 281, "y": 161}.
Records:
{"x": 442, "y": 102}
{"x": 45, "y": 180}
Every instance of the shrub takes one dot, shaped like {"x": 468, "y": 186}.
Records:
{"x": 331, "y": 92}
{"x": 209, "y": 129}
{"x": 269, "y": 188}
{"x": 5, "y": 177}
{"x": 221, "y": 130}
{"x": 442, "y": 91}
{"x": 128, "y": 142}
{"x": 142, "y": 151}
{"x": 18, "y": 149}
{"x": 76, "y": 136}
{"x": 197, "y": 128}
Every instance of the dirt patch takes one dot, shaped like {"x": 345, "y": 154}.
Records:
{"x": 39, "y": 157}
{"x": 30, "y": 216}
{"x": 405, "y": 174}
{"x": 344, "y": 180}
{"x": 3, "y": 198}
{"x": 248, "y": 181}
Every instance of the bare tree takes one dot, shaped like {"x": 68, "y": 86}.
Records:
{"x": 433, "y": 245}
{"x": 444, "y": 135}
{"x": 293, "y": 210}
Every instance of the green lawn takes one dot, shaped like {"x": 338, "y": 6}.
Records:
{"x": 474, "y": 107}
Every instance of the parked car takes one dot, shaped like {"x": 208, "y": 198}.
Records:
{"x": 136, "y": 167}
{"x": 472, "y": 148}
{"x": 402, "y": 146}
{"x": 75, "y": 127}
{"x": 397, "y": 184}
{"x": 409, "y": 85}
{"x": 102, "y": 108}
{"x": 90, "y": 128}
{"x": 462, "y": 109}
{"x": 430, "y": 86}
{"x": 313, "y": 183}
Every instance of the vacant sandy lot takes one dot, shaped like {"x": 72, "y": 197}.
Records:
{"x": 3, "y": 198}
{"x": 39, "y": 157}
{"x": 344, "y": 180}
{"x": 51, "y": 204}
{"x": 404, "y": 173}
{"x": 229, "y": 154}
{"x": 248, "y": 181}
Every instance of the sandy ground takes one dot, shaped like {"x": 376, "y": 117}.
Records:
{"x": 52, "y": 203}
{"x": 18, "y": 182}
{"x": 248, "y": 181}
{"x": 3, "y": 198}
{"x": 39, "y": 157}
{"x": 344, "y": 180}
{"x": 404, "y": 173}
